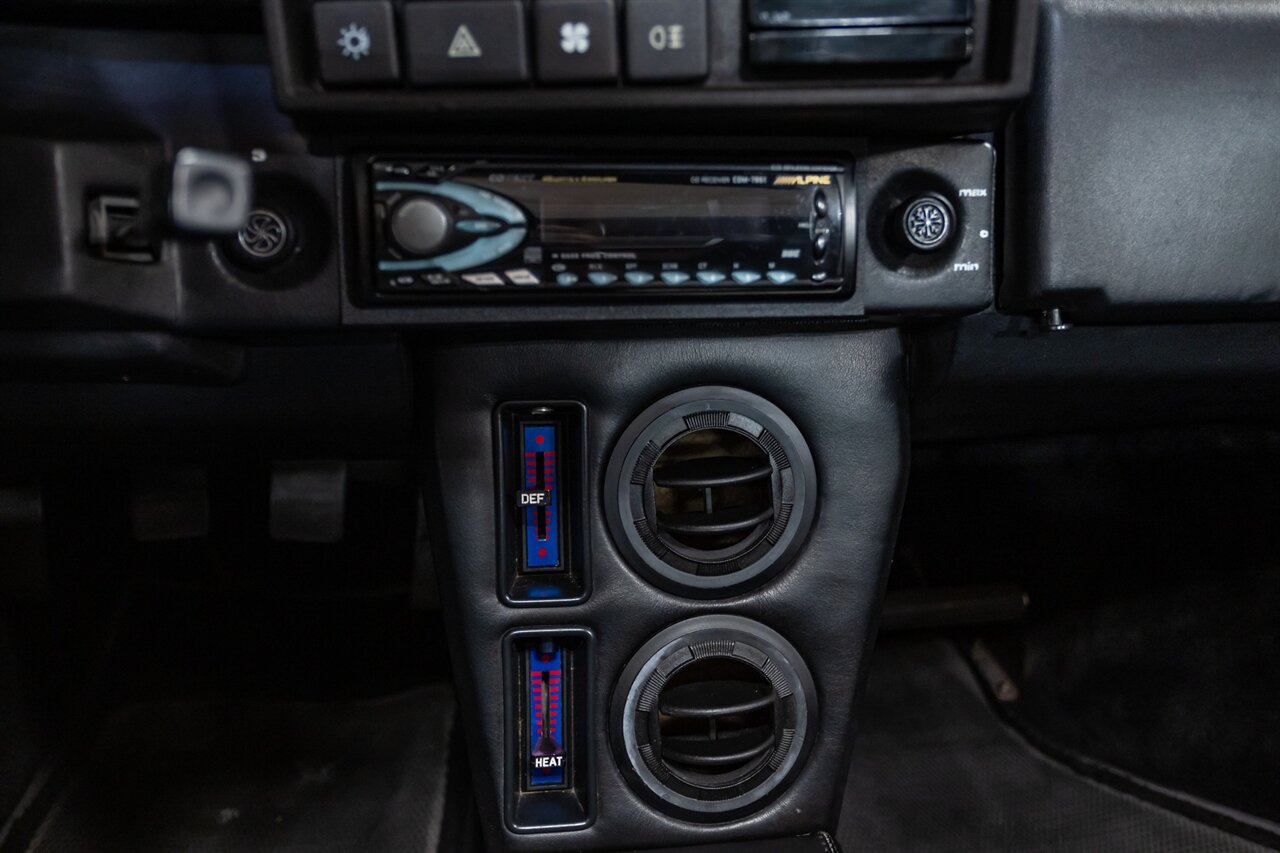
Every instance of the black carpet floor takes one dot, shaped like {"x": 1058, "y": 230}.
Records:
{"x": 261, "y": 776}
{"x": 935, "y": 769}
{"x": 1176, "y": 684}
{"x": 1152, "y": 563}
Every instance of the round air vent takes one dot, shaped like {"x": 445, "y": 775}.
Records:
{"x": 711, "y": 717}
{"x": 711, "y": 491}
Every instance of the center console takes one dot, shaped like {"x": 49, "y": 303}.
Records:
{"x": 661, "y": 561}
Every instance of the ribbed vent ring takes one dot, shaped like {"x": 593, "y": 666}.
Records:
{"x": 715, "y": 720}
{"x": 711, "y": 493}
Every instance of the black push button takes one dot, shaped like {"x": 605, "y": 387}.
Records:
{"x": 861, "y": 46}
{"x": 577, "y": 40}
{"x": 667, "y": 39}
{"x": 461, "y": 42}
{"x": 356, "y": 41}
{"x": 420, "y": 226}
{"x": 821, "y": 243}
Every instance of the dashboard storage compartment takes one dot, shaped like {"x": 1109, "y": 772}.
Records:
{"x": 843, "y": 392}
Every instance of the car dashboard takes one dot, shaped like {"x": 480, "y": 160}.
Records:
{"x": 648, "y": 304}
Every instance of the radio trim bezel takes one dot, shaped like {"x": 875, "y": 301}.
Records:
{"x": 365, "y": 292}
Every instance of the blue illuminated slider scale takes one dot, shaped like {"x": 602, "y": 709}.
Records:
{"x": 546, "y": 709}
{"x": 539, "y": 497}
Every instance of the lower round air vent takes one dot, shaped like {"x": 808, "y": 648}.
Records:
{"x": 712, "y": 717}
{"x": 711, "y": 491}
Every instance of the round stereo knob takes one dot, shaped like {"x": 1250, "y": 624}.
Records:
{"x": 420, "y": 226}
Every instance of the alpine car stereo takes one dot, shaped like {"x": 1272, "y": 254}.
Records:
{"x": 462, "y": 229}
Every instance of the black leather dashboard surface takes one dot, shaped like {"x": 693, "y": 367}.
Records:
{"x": 1148, "y": 162}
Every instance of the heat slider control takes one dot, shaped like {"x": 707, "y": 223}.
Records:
{"x": 546, "y": 707}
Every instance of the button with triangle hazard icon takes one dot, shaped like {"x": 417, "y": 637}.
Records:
{"x": 464, "y": 45}
{"x": 466, "y": 42}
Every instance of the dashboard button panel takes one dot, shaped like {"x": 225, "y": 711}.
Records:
{"x": 517, "y": 67}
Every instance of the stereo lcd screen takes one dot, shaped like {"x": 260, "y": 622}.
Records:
{"x": 604, "y": 211}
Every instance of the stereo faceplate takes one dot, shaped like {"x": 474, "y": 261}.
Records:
{"x": 442, "y": 229}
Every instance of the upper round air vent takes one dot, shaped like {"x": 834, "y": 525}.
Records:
{"x": 712, "y": 717}
{"x": 710, "y": 491}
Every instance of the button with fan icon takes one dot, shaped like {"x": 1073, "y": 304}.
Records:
{"x": 577, "y": 40}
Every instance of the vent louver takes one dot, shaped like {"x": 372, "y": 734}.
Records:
{"x": 713, "y": 492}
{"x": 717, "y": 723}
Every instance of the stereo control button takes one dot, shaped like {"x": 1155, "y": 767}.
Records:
{"x": 484, "y": 279}
{"x": 420, "y": 226}
{"x": 484, "y": 251}
{"x": 479, "y": 226}
{"x": 781, "y": 276}
{"x": 821, "y": 243}
{"x": 637, "y": 277}
{"x": 710, "y": 277}
{"x": 601, "y": 278}
{"x": 675, "y": 277}
{"x": 820, "y": 206}
{"x": 746, "y": 276}
{"x": 566, "y": 279}
{"x": 523, "y": 278}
